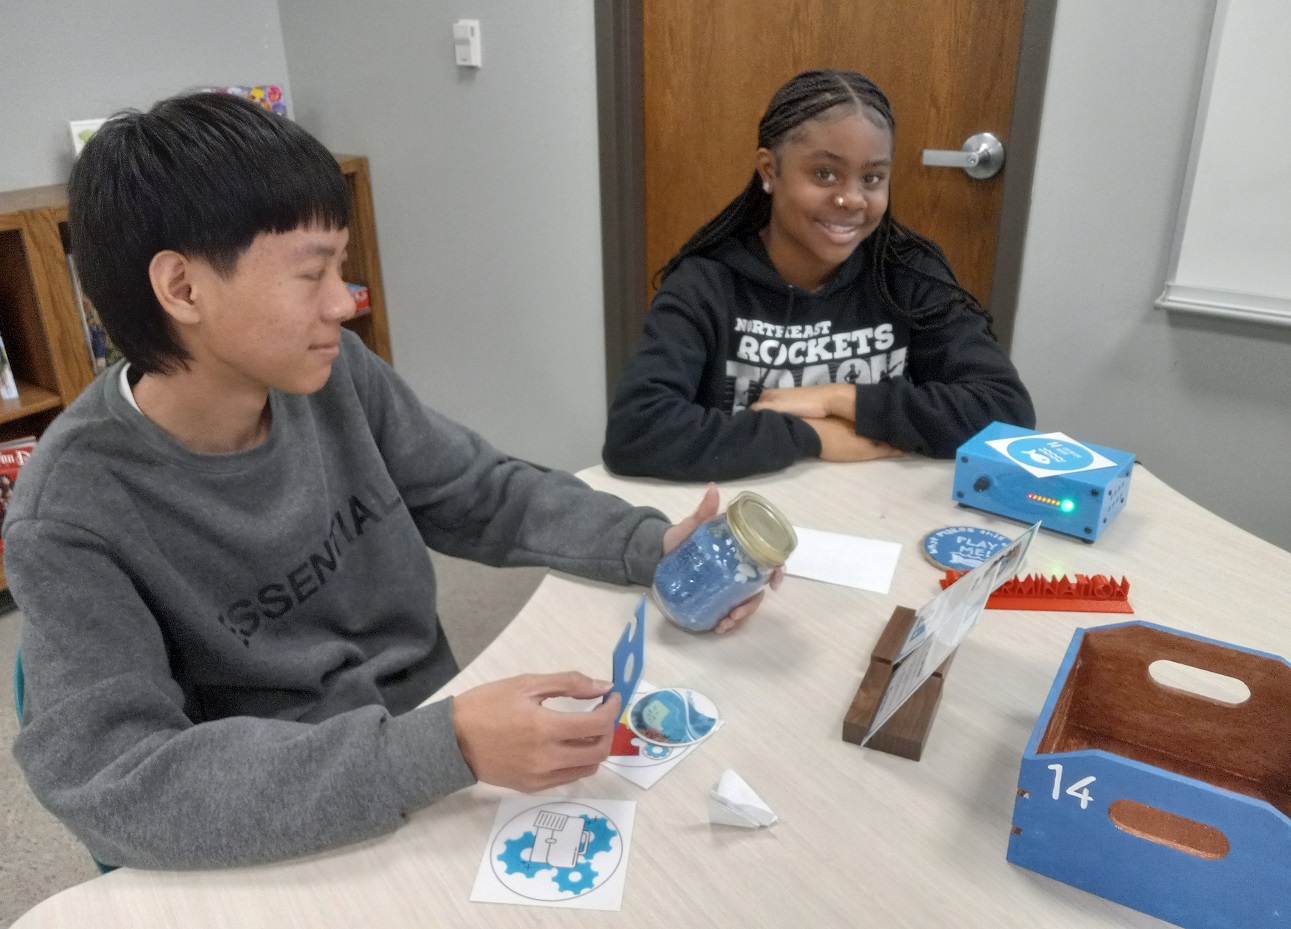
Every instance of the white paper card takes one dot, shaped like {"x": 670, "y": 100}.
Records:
{"x": 557, "y": 852}
{"x": 836, "y": 558}
{"x": 734, "y": 803}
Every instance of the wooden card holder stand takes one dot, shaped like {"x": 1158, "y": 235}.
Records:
{"x": 907, "y": 731}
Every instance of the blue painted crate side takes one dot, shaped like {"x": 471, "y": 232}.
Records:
{"x": 1250, "y": 888}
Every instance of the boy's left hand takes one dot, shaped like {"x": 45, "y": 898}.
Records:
{"x": 815, "y": 401}
{"x": 679, "y": 532}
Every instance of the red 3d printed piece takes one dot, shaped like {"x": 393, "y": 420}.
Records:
{"x": 1097, "y": 594}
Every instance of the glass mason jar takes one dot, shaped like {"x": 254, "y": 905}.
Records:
{"x": 724, "y": 562}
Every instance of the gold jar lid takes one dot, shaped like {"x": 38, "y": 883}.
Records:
{"x": 761, "y": 529}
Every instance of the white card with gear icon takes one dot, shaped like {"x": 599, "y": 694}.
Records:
{"x": 558, "y": 852}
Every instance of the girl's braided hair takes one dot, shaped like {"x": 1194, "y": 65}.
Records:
{"x": 808, "y": 96}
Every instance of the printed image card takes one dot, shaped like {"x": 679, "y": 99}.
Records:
{"x": 639, "y": 760}
{"x": 950, "y": 618}
{"x": 674, "y": 717}
{"x": 557, "y": 852}
{"x": 941, "y": 624}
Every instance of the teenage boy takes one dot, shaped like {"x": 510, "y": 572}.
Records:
{"x": 220, "y": 547}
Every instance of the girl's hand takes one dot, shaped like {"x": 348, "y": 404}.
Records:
{"x": 814, "y": 402}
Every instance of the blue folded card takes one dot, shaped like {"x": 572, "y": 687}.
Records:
{"x": 629, "y": 658}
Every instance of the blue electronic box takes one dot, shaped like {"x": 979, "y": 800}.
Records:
{"x": 1045, "y": 477}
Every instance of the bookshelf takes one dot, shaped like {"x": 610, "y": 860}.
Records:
{"x": 41, "y": 323}
{"x": 363, "y": 265}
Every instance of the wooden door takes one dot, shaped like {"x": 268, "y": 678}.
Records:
{"x": 711, "y": 66}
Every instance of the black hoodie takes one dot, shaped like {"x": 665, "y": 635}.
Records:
{"x": 725, "y": 325}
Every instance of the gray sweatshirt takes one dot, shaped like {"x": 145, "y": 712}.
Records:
{"x": 224, "y": 653}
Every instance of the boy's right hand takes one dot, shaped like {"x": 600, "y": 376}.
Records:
{"x": 839, "y": 442}
{"x": 510, "y": 739}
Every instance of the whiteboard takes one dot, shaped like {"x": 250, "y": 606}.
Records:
{"x": 1232, "y": 250}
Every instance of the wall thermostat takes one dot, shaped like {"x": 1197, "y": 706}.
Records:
{"x": 1070, "y": 487}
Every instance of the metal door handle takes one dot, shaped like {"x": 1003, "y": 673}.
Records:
{"x": 981, "y": 157}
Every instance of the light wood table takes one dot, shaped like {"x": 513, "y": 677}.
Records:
{"x": 864, "y": 838}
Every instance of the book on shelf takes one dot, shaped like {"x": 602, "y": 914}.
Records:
{"x": 13, "y": 455}
{"x": 362, "y": 300}
{"x": 268, "y": 96}
{"x": 8, "y": 386}
{"x": 102, "y": 351}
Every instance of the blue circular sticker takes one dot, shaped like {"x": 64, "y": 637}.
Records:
{"x": 962, "y": 548}
{"x": 673, "y": 717}
{"x": 1050, "y": 454}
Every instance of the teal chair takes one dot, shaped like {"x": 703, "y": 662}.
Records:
{"x": 17, "y": 704}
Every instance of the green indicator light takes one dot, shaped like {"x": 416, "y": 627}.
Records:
{"x": 1068, "y": 505}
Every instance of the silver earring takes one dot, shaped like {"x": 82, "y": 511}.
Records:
{"x": 838, "y": 201}
{"x": 766, "y": 187}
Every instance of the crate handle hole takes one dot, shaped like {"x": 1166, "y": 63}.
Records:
{"x": 1199, "y": 682}
{"x": 1177, "y": 832}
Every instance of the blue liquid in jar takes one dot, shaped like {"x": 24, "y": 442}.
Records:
{"x": 706, "y": 576}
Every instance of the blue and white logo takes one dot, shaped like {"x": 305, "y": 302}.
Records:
{"x": 962, "y": 548}
{"x": 1050, "y": 454}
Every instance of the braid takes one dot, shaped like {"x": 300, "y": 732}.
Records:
{"x": 806, "y": 97}
{"x": 749, "y": 211}
{"x": 894, "y": 242}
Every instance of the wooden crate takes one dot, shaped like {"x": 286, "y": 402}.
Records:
{"x": 1172, "y": 802}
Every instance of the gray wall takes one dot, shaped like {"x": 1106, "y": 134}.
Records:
{"x": 61, "y": 61}
{"x": 1204, "y": 404}
{"x": 487, "y": 201}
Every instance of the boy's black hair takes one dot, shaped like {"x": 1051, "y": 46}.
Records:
{"x": 200, "y": 174}
{"x": 806, "y": 96}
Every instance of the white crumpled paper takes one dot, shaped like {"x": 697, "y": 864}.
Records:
{"x": 734, "y": 803}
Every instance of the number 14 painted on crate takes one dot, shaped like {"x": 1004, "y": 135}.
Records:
{"x": 1076, "y": 790}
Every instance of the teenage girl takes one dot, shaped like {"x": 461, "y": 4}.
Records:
{"x": 805, "y": 321}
